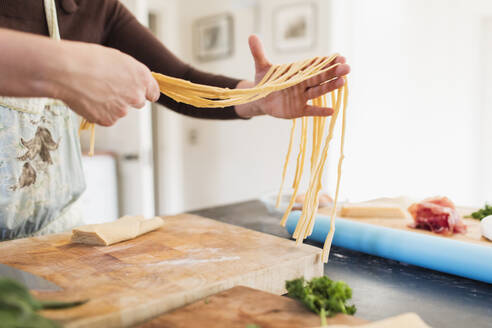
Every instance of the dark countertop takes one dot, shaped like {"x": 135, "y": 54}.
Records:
{"x": 381, "y": 287}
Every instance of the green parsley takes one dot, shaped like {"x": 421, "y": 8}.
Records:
{"x": 481, "y": 213}
{"x": 322, "y": 295}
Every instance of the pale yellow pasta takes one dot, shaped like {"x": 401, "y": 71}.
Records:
{"x": 284, "y": 171}
{"x": 319, "y": 154}
{"x": 279, "y": 77}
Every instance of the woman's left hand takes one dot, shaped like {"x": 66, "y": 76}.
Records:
{"x": 291, "y": 102}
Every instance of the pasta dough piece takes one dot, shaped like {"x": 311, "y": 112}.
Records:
{"x": 105, "y": 234}
{"x": 378, "y": 208}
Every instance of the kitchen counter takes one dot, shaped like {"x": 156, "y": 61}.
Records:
{"x": 381, "y": 287}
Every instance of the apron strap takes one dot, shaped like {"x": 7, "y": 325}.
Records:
{"x": 52, "y": 19}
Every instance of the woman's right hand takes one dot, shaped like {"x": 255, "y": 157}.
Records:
{"x": 102, "y": 84}
{"x": 98, "y": 83}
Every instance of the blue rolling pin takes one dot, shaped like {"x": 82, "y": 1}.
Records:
{"x": 436, "y": 253}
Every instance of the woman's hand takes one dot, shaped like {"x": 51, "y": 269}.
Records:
{"x": 290, "y": 102}
{"x": 102, "y": 84}
{"x": 98, "y": 83}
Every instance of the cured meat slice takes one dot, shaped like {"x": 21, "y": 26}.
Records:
{"x": 437, "y": 214}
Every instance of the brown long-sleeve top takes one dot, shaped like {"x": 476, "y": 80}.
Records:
{"x": 109, "y": 23}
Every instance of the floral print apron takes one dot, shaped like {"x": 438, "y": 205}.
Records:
{"x": 41, "y": 174}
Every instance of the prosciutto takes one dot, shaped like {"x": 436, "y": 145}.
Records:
{"x": 437, "y": 214}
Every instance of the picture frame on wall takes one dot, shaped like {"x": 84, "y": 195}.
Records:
{"x": 213, "y": 37}
{"x": 294, "y": 27}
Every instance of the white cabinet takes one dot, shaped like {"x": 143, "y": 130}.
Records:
{"x": 99, "y": 203}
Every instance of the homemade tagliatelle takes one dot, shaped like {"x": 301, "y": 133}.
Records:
{"x": 279, "y": 77}
{"x": 319, "y": 154}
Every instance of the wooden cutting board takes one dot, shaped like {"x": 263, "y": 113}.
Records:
{"x": 189, "y": 258}
{"x": 473, "y": 234}
{"x": 241, "y": 306}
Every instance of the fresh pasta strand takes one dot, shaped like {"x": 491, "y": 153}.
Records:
{"x": 284, "y": 171}
{"x": 329, "y": 237}
{"x": 93, "y": 138}
{"x": 300, "y": 164}
{"x": 278, "y": 77}
{"x": 309, "y": 208}
{"x": 319, "y": 154}
{"x": 85, "y": 125}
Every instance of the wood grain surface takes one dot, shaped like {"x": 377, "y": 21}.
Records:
{"x": 189, "y": 258}
{"x": 241, "y": 306}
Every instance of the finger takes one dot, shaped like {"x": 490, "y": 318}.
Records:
{"x": 84, "y": 110}
{"x": 139, "y": 103}
{"x": 318, "y": 91}
{"x": 340, "y": 70}
{"x": 153, "y": 93}
{"x": 123, "y": 111}
{"x": 317, "y": 111}
{"x": 105, "y": 121}
{"x": 338, "y": 60}
{"x": 261, "y": 62}
{"x": 136, "y": 100}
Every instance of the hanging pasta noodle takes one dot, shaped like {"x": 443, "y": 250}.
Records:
{"x": 319, "y": 154}
{"x": 279, "y": 77}
{"x": 329, "y": 237}
{"x": 284, "y": 171}
{"x": 85, "y": 125}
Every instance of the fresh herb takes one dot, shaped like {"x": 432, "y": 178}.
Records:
{"x": 322, "y": 314}
{"x": 252, "y": 325}
{"x": 322, "y": 295}
{"x": 481, "y": 213}
{"x": 18, "y": 308}
{"x": 207, "y": 301}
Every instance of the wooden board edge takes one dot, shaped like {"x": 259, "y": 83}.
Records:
{"x": 242, "y": 291}
{"x": 311, "y": 267}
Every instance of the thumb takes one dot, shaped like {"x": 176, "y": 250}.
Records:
{"x": 153, "y": 93}
{"x": 261, "y": 62}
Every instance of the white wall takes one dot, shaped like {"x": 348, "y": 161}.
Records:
{"x": 414, "y": 124}
{"x": 485, "y": 144}
{"x": 419, "y": 107}
{"x": 130, "y": 140}
{"x": 415, "y": 105}
{"x": 99, "y": 203}
{"x": 169, "y": 134}
{"x": 234, "y": 161}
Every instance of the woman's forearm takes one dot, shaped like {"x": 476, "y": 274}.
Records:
{"x": 99, "y": 83}
{"x": 31, "y": 65}
{"x": 124, "y": 29}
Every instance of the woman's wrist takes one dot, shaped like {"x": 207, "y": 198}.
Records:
{"x": 62, "y": 77}
{"x": 34, "y": 77}
{"x": 48, "y": 72}
{"x": 53, "y": 64}
{"x": 64, "y": 74}
{"x": 250, "y": 109}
